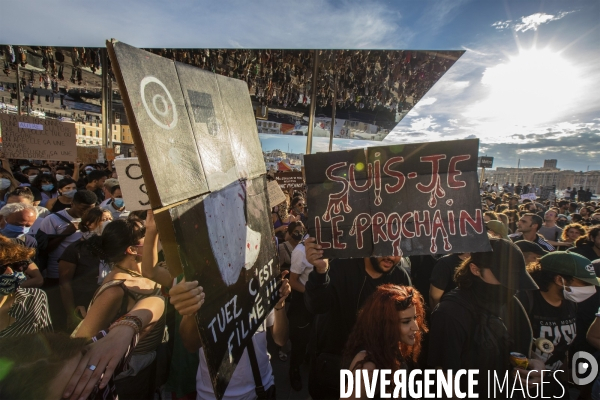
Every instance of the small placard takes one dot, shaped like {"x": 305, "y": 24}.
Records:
{"x": 132, "y": 184}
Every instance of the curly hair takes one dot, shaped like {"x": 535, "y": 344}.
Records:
{"x": 590, "y": 237}
{"x": 11, "y": 251}
{"x": 579, "y": 227}
{"x": 492, "y": 215}
{"x": 377, "y": 328}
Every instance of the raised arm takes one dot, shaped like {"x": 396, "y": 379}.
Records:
{"x": 318, "y": 295}
{"x": 150, "y": 267}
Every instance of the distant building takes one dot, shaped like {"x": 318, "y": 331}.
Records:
{"x": 550, "y": 163}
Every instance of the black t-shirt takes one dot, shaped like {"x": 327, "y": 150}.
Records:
{"x": 442, "y": 276}
{"x": 556, "y": 324}
{"x": 85, "y": 279}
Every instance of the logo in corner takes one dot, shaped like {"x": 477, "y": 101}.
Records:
{"x": 585, "y": 368}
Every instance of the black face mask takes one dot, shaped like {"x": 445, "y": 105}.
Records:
{"x": 561, "y": 224}
{"x": 493, "y": 296}
{"x": 297, "y": 236}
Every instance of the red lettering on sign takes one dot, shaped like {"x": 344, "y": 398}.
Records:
{"x": 395, "y": 220}
{"x": 465, "y": 219}
{"x": 435, "y": 186}
{"x": 451, "y": 223}
{"x": 438, "y": 226}
{"x": 338, "y": 200}
{"x": 336, "y": 232}
{"x": 361, "y": 223}
{"x": 378, "y": 225}
{"x": 396, "y": 174}
{"x": 453, "y": 172}
{"x": 377, "y": 166}
{"x": 405, "y": 232}
{"x": 352, "y": 179}
{"x": 422, "y": 224}
{"x": 324, "y": 245}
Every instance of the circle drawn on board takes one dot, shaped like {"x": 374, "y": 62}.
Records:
{"x": 157, "y": 107}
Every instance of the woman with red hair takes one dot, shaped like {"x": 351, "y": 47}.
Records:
{"x": 388, "y": 331}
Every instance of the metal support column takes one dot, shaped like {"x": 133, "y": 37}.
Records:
{"x": 110, "y": 110}
{"x": 313, "y": 102}
{"x": 333, "y": 105}
{"x": 105, "y": 106}
{"x": 19, "y": 96}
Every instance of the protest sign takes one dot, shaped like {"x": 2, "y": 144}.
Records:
{"x": 548, "y": 193}
{"x": 132, "y": 184}
{"x": 485, "y": 162}
{"x": 200, "y": 156}
{"x": 396, "y": 200}
{"x": 290, "y": 180}
{"x": 31, "y": 138}
{"x": 87, "y": 155}
{"x": 276, "y": 195}
{"x": 110, "y": 154}
{"x": 530, "y": 196}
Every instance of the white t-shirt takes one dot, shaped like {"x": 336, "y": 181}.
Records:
{"x": 53, "y": 225}
{"x": 241, "y": 386}
{"x": 300, "y": 265}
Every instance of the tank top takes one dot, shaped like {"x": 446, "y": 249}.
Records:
{"x": 59, "y": 206}
{"x": 151, "y": 341}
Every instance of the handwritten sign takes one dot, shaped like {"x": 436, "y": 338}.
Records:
{"x": 290, "y": 180}
{"x": 132, "y": 184}
{"x": 199, "y": 152}
{"x": 88, "y": 154}
{"x": 396, "y": 200}
{"x": 276, "y": 195}
{"x": 31, "y": 138}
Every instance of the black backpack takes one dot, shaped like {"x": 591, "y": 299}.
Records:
{"x": 41, "y": 257}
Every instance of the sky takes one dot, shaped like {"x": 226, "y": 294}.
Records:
{"x": 528, "y": 85}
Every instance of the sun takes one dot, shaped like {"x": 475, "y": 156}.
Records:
{"x": 533, "y": 87}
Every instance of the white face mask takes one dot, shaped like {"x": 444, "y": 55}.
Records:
{"x": 578, "y": 294}
{"x": 32, "y": 178}
{"x": 59, "y": 177}
{"x": 4, "y": 183}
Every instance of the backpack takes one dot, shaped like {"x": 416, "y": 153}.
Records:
{"x": 41, "y": 257}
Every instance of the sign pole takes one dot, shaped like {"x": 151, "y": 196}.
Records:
{"x": 313, "y": 102}
{"x": 482, "y": 177}
{"x": 335, "y": 84}
{"x": 105, "y": 98}
{"x": 19, "y": 97}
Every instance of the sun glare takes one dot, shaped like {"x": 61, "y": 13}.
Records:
{"x": 534, "y": 87}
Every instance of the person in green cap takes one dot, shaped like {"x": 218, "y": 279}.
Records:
{"x": 564, "y": 279}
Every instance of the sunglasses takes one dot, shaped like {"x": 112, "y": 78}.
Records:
{"x": 17, "y": 266}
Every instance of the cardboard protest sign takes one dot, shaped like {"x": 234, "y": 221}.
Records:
{"x": 201, "y": 160}
{"x": 396, "y": 200}
{"x": 530, "y": 196}
{"x": 132, "y": 184}
{"x": 276, "y": 195}
{"x": 290, "y": 180}
{"x": 110, "y": 154}
{"x": 87, "y": 154}
{"x": 25, "y": 137}
{"x": 548, "y": 193}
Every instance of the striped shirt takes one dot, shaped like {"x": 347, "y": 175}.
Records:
{"x": 538, "y": 239}
{"x": 30, "y": 312}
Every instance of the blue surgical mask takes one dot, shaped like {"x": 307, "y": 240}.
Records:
{"x": 16, "y": 229}
{"x": 47, "y": 188}
{"x": 70, "y": 194}
{"x": 32, "y": 178}
{"x": 4, "y": 183}
{"x": 87, "y": 171}
{"x": 119, "y": 203}
{"x": 10, "y": 282}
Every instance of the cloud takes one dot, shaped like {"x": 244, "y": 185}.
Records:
{"x": 530, "y": 22}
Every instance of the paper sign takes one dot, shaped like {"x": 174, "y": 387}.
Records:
{"x": 276, "y": 195}
{"x": 290, "y": 180}
{"x": 31, "y": 138}
{"x": 88, "y": 155}
{"x": 132, "y": 184}
{"x": 110, "y": 154}
{"x": 530, "y": 196}
{"x": 397, "y": 200}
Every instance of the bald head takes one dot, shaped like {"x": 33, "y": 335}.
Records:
{"x": 25, "y": 217}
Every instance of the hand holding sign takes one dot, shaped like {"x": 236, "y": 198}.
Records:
{"x": 187, "y": 297}
{"x": 314, "y": 255}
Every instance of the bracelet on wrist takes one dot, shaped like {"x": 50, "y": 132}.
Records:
{"x": 128, "y": 323}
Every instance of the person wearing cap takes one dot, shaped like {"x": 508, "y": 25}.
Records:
{"x": 496, "y": 229}
{"x": 107, "y": 187}
{"x": 531, "y": 251}
{"x": 527, "y": 228}
{"x": 483, "y": 310}
{"x": 564, "y": 279}
{"x": 442, "y": 276}
{"x": 489, "y": 202}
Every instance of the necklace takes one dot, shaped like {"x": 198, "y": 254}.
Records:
{"x": 130, "y": 272}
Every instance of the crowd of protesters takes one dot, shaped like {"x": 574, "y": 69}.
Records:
{"x": 89, "y": 309}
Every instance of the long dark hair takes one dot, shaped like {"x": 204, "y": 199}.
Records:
{"x": 377, "y": 328}
{"x": 116, "y": 237}
{"x": 91, "y": 216}
{"x": 589, "y": 238}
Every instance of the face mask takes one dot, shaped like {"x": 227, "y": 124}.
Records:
{"x": 561, "y": 224}
{"x": 577, "y": 294}
{"x": 70, "y": 194}
{"x": 32, "y": 178}
{"x": 47, "y": 188}
{"x": 20, "y": 230}
{"x": 297, "y": 236}
{"x": 59, "y": 177}
{"x": 10, "y": 282}
{"x": 87, "y": 171}
{"x": 4, "y": 183}
{"x": 119, "y": 203}
{"x": 23, "y": 167}
{"x": 98, "y": 231}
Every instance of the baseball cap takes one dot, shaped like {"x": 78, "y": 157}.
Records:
{"x": 530, "y": 247}
{"x": 508, "y": 265}
{"x": 497, "y": 227}
{"x": 570, "y": 264}
{"x": 110, "y": 183}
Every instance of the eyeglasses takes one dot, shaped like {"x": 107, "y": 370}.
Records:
{"x": 17, "y": 266}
